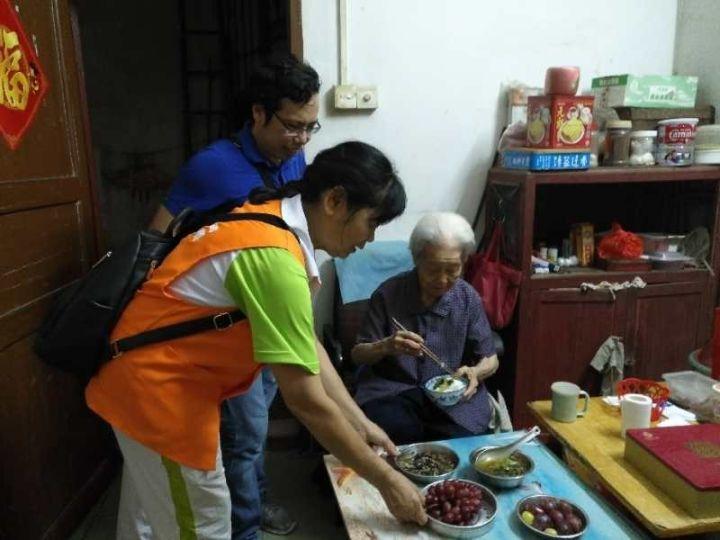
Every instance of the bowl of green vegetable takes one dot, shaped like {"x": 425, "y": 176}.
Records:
{"x": 503, "y": 473}
{"x": 426, "y": 462}
{"x": 445, "y": 390}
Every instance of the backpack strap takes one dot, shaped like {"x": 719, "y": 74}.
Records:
{"x": 219, "y": 321}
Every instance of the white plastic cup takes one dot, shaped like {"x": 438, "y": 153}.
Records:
{"x": 636, "y": 410}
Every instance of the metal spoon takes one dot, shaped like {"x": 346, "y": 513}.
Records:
{"x": 502, "y": 452}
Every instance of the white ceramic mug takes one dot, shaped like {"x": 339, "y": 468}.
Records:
{"x": 565, "y": 397}
{"x": 636, "y": 410}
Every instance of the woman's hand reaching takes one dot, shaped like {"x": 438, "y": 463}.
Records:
{"x": 376, "y": 437}
{"x": 403, "y": 499}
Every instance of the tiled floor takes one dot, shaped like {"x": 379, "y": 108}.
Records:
{"x": 292, "y": 482}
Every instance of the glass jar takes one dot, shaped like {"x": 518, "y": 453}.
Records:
{"x": 642, "y": 148}
{"x": 617, "y": 142}
{"x": 594, "y": 145}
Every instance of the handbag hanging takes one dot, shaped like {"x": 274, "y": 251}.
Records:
{"x": 497, "y": 283}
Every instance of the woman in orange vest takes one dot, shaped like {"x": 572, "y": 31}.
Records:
{"x": 163, "y": 400}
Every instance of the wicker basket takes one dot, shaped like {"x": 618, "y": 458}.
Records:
{"x": 656, "y": 391}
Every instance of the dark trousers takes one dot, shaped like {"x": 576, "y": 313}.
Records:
{"x": 411, "y": 417}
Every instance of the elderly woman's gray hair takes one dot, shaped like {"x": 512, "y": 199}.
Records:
{"x": 442, "y": 229}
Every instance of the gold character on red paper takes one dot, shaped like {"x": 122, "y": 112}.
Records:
{"x": 15, "y": 74}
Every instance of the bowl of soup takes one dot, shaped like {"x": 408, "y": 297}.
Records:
{"x": 508, "y": 472}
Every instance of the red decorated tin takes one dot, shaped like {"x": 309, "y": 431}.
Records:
{"x": 559, "y": 121}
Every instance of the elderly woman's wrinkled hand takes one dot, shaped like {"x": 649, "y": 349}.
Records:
{"x": 471, "y": 374}
{"x": 478, "y": 373}
{"x": 403, "y": 342}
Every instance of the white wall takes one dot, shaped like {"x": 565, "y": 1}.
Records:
{"x": 697, "y": 43}
{"x": 440, "y": 66}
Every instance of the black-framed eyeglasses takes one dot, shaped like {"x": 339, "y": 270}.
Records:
{"x": 297, "y": 131}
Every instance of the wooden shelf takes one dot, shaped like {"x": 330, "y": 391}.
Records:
{"x": 595, "y": 275}
{"x": 557, "y": 327}
{"x": 610, "y": 175}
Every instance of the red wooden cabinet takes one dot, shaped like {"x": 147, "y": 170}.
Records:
{"x": 558, "y": 328}
{"x": 663, "y": 324}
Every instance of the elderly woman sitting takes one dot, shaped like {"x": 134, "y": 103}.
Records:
{"x": 445, "y": 313}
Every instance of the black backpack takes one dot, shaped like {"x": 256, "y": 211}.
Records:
{"x": 75, "y": 335}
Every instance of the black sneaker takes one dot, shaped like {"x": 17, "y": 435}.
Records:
{"x": 276, "y": 520}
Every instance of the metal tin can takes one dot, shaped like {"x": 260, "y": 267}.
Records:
{"x": 676, "y": 142}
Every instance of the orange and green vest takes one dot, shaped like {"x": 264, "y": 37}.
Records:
{"x": 166, "y": 396}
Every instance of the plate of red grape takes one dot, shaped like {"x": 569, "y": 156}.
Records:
{"x": 552, "y": 517}
{"x": 460, "y": 508}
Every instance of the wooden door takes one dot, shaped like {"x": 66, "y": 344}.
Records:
{"x": 664, "y": 326}
{"x": 54, "y": 456}
{"x": 559, "y": 335}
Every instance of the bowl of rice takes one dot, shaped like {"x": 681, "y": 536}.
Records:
{"x": 445, "y": 390}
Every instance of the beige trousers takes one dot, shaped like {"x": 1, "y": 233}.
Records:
{"x": 163, "y": 500}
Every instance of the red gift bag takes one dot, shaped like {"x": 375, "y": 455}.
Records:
{"x": 497, "y": 283}
{"x": 620, "y": 244}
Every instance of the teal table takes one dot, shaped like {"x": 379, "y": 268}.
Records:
{"x": 366, "y": 517}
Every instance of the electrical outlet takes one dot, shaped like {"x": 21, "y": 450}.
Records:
{"x": 367, "y": 97}
{"x": 346, "y": 96}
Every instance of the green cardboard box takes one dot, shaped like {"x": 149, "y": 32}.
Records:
{"x": 652, "y": 91}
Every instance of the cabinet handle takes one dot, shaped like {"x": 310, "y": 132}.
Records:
{"x": 585, "y": 291}
{"x": 612, "y": 288}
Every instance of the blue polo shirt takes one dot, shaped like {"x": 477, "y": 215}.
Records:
{"x": 226, "y": 170}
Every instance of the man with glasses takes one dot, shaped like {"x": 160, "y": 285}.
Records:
{"x": 268, "y": 150}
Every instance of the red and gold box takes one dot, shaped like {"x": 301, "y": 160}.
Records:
{"x": 559, "y": 121}
{"x": 683, "y": 461}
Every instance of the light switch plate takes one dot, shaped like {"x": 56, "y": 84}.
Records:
{"x": 367, "y": 97}
{"x": 346, "y": 96}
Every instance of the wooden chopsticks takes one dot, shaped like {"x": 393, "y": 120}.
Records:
{"x": 427, "y": 352}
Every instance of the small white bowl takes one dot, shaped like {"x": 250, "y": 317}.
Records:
{"x": 444, "y": 399}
